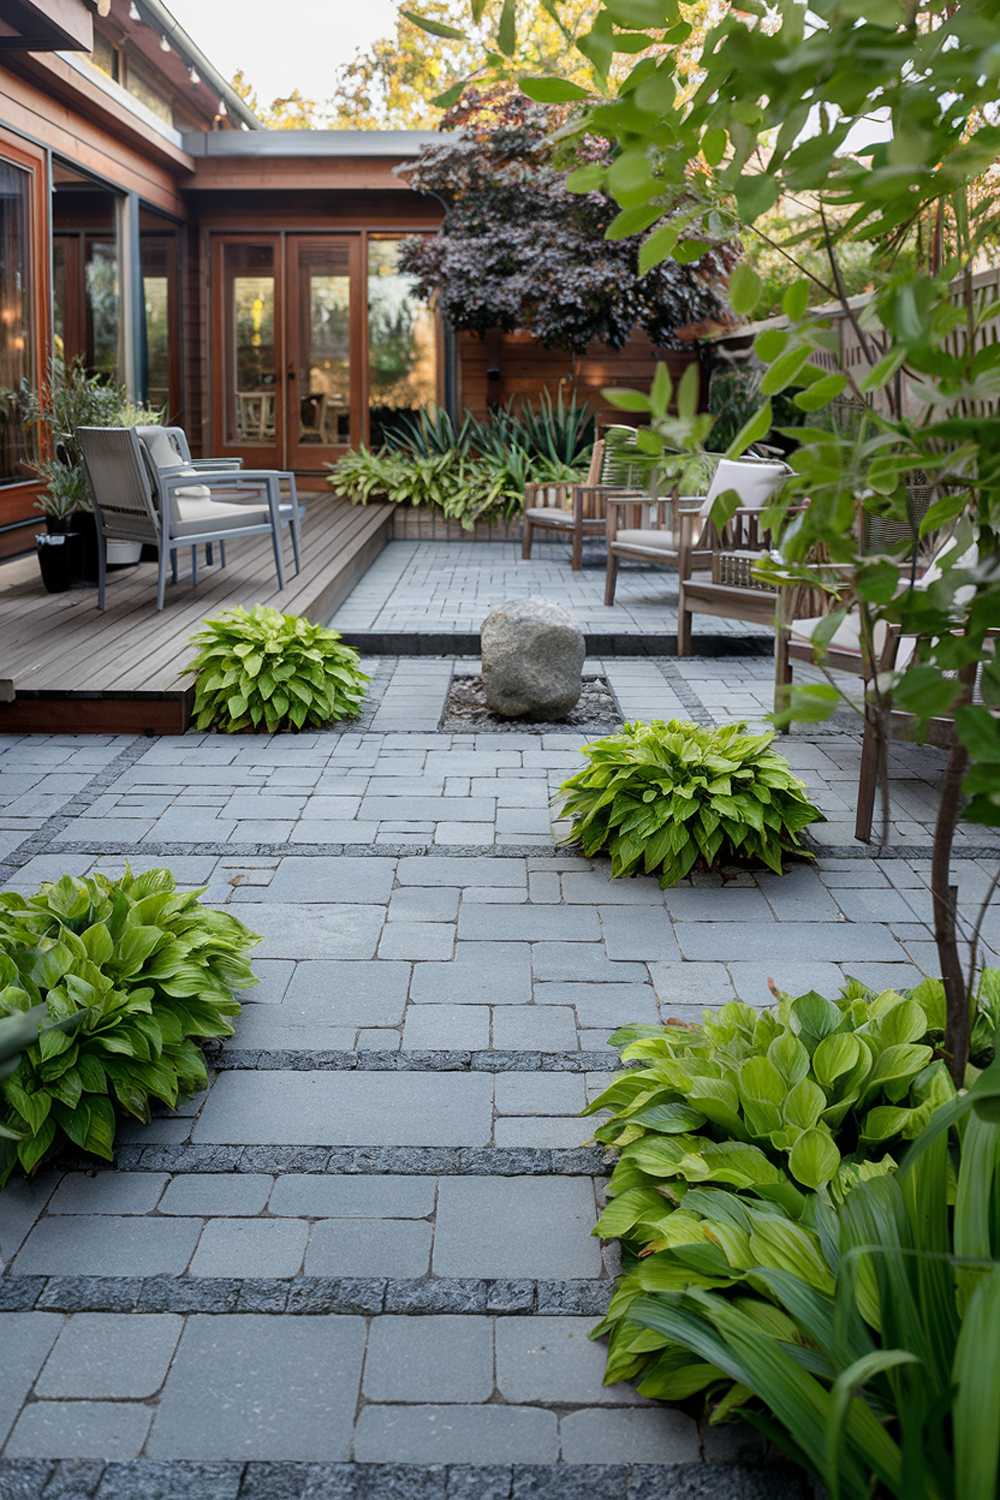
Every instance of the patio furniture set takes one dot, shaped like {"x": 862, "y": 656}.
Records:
{"x": 145, "y": 487}
{"x": 715, "y": 569}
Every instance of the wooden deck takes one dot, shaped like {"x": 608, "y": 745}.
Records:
{"x": 65, "y": 666}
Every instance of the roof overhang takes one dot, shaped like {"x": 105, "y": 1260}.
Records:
{"x": 398, "y": 144}
{"x": 46, "y": 26}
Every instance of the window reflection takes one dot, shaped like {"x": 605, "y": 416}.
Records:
{"x": 325, "y": 344}
{"x": 16, "y": 363}
{"x": 86, "y": 285}
{"x": 402, "y": 341}
{"x": 248, "y": 277}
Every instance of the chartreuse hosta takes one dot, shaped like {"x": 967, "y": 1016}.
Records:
{"x": 107, "y": 987}
{"x": 666, "y": 798}
{"x": 738, "y": 1138}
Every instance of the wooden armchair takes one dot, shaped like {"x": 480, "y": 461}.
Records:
{"x": 579, "y": 510}
{"x": 844, "y": 652}
{"x": 938, "y": 731}
{"x": 677, "y": 532}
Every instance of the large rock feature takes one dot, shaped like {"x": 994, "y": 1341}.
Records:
{"x": 532, "y": 660}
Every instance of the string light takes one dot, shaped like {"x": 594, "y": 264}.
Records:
{"x": 134, "y": 13}
{"x": 194, "y": 75}
{"x": 164, "y": 44}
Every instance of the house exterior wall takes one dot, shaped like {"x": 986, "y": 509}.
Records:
{"x": 63, "y": 119}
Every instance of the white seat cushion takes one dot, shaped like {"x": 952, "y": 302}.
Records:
{"x": 165, "y": 456}
{"x": 653, "y": 539}
{"x": 551, "y": 515}
{"x": 192, "y": 516}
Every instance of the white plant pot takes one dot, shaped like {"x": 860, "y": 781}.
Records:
{"x": 121, "y": 553}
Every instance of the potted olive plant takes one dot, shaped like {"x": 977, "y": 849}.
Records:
{"x": 73, "y": 399}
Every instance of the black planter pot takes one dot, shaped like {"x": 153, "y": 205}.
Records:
{"x": 59, "y": 558}
{"x": 86, "y": 528}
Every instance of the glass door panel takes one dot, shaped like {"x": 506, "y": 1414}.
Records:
{"x": 16, "y": 320}
{"x": 323, "y": 369}
{"x": 249, "y": 394}
{"x": 402, "y": 342}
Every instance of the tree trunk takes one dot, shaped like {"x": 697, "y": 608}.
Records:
{"x": 945, "y": 896}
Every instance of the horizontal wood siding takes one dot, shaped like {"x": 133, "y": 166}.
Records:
{"x": 80, "y": 139}
{"x": 527, "y": 368}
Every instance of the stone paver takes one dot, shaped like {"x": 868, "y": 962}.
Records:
{"x": 368, "y": 1244}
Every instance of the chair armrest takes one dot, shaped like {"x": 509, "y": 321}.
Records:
{"x": 621, "y": 497}
{"x": 207, "y": 464}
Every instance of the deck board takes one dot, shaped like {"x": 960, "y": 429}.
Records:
{"x": 58, "y": 650}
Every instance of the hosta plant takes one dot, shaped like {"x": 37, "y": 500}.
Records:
{"x": 738, "y": 1137}
{"x": 870, "y": 1348}
{"x": 666, "y": 798}
{"x": 107, "y": 989}
{"x": 257, "y": 669}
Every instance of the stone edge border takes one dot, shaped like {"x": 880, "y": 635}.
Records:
{"x": 374, "y": 1161}
{"x": 304, "y": 1295}
{"x": 252, "y": 1059}
{"x": 182, "y": 1479}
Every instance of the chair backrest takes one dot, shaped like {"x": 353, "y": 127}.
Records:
{"x": 621, "y": 463}
{"x": 120, "y": 487}
{"x": 754, "y": 481}
{"x": 162, "y": 441}
{"x": 165, "y": 448}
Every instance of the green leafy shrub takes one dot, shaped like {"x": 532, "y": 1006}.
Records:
{"x": 738, "y": 1137}
{"x": 258, "y": 669}
{"x": 666, "y": 798}
{"x": 870, "y": 1348}
{"x": 473, "y": 470}
{"x": 132, "y": 974}
{"x": 461, "y": 486}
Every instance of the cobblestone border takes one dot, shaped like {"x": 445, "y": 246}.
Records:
{"x": 304, "y": 1295}
{"x": 373, "y": 1161}
{"x": 181, "y": 1479}
{"x": 248, "y": 1060}
{"x": 106, "y": 848}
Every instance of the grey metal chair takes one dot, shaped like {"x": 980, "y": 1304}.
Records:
{"x": 135, "y": 500}
{"x": 168, "y": 447}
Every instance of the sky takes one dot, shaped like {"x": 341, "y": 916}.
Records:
{"x": 284, "y": 44}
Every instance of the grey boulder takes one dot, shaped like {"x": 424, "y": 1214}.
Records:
{"x": 532, "y": 660}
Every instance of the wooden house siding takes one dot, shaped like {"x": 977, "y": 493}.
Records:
{"x": 526, "y": 368}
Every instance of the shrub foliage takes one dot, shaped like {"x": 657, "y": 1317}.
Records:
{"x": 126, "y": 977}
{"x": 739, "y": 1139}
{"x": 257, "y": 669}
{"x": 665, "y": 798}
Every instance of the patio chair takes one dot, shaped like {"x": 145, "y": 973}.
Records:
{"x": 135, "y": 501}
{"x": 843, "y": 653}
{"x": 578, "y": 510}
{"x": 938, "y": 731}
{"x": 687, "y": 536}
{"x": 168, "y": 450}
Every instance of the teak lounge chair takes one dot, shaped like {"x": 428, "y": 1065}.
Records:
{"x": 678, "y": 531}
{"x": 578, "y": 510}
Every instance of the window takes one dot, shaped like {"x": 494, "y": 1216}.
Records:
{"x": 17, "y": 443}
{"x": 158, "y": 257}
{"x": 251, "y": 371}
{"x": 105, "y": 56}
{"x": 147, "y": 93}
{"x": 86, "y": 280}
{"x": 402, "y": 341}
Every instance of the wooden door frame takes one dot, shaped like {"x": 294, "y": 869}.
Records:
{"x": 257, "y": 457}
{"x": 312, "y": 458}
{"x": 17, "y": 495}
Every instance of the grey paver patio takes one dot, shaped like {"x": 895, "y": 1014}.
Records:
{"x": 369, "y": 1243}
